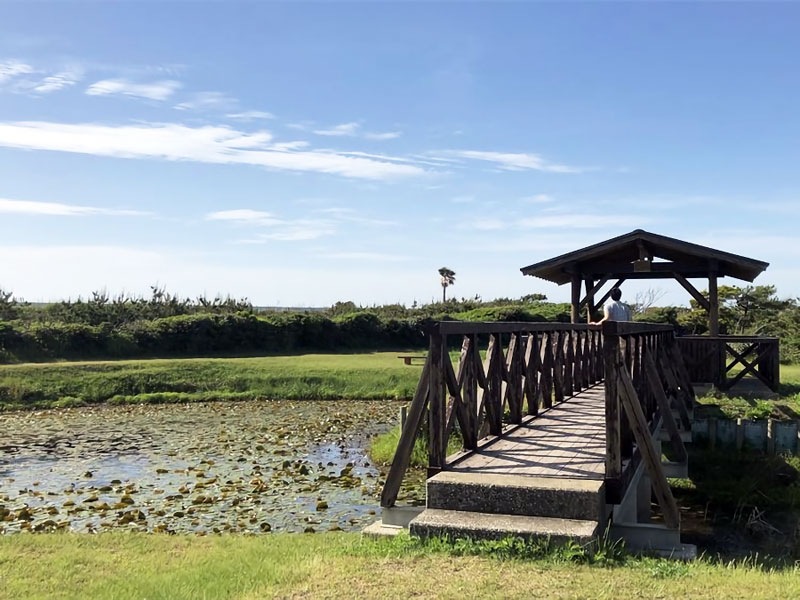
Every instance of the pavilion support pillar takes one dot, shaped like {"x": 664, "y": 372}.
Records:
{"x": 713, "y": 305}
{"x": 589, "y": 299}
{"x": 576, "y": 299}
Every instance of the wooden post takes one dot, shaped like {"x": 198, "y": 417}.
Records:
{"x": 613, "y": 432}
{"x": 589, "y": 300}
{"x": 436, "y": 405}
{"x": 713, "y": 302}
{"x": 576, "y": 299}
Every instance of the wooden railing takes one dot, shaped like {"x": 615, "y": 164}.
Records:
{"x": 646, "y": 382}
{"x": 526, "y": 367}
{"x": 713, "y": 359}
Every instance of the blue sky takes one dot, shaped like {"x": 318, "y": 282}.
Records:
{"x": 299, "y": 154}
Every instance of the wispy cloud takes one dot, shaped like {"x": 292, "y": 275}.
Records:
{"x": 208, "y": 144}
{"x": 539, "y": 199}
{"x": 345, "y": 129}
{"x": 59, "y": 81}
{"x": 208, "y": 100}
{"x": 284, "y": 230}
{"x": 514, "y": 161}
{"x": 250, "y": 115}
{"x": 156, "y": 90}
{"x": 389, "y": 135}
{"x": 27, "y": 207}
{"x": 353, "y": 129}
{"x": 244, "y": 216}
{"x": 12, "y": 68}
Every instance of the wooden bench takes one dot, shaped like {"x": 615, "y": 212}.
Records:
{"x": 408, "y": 359}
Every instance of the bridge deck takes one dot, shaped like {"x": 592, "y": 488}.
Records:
{"x": 566, "y": 441}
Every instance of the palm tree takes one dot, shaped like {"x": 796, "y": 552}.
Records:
{"x": 448, "y": 278}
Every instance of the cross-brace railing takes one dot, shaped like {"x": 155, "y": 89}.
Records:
{"x": 647, "y": 387}
{"x": 529, "y": 367}
{"x": 525, "y": 368}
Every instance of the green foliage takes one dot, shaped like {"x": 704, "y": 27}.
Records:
{"x": 383, "y": 446}
{"x": 294, "y": 377}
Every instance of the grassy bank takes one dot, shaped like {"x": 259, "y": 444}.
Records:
{"x": 333, "y": 565}
{"x": 374, "y": 375}
{"x": 370, "y": 375}
{"x": 786, "y": 406}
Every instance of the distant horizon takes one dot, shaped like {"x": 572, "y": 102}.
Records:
{"x": 303, "y": 154}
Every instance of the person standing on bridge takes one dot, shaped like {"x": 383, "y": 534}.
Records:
{"x": 615, "y": 309}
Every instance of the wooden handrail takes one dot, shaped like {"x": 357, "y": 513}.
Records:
{"x": 528, "y": 367}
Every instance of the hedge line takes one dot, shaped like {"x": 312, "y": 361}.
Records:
{"x": 214, "y": 334}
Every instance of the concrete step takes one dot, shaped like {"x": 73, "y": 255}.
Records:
{"x": 518, "y": 495}
{"x": 457, "y": 523}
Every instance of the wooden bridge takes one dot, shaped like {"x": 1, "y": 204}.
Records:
{"x": 560, "y": 427}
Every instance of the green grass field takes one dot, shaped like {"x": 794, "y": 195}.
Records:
{"x": 370, "y": 375}
{"x": 373, "y": 375}
{"x": 786, "y": 406}
{"x": 346, "y": 565}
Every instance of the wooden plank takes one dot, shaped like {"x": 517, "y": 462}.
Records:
{"x": 558, "y": 366}
{"x": 701, "y": 300}
{"x": 546, "y": 380}
{"x": 713, "y": 301}
{"x": 577, "y": 377}
{"x": 569, "y": 364}
{"x": 596, "y": 288}
{"x": 456, "y": 411}
{"x": 751, "y": 368}
{"x": 654, "y": 380}
{"x": 436, "y": 406}
{"x": 532, "y": 370}
{"x": 575, "y": 300}
{"x": 613, "y": 429}
{"x": 491, "y": 394}
{"x": 681, "y": 396}
{"x": 408, "y": 436}
{"x": 644, "y": 442}
{"x": 473, "y": 327}
{"x": 607, "y": 295}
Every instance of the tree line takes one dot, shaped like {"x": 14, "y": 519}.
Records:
{"x": 164, "y": 324}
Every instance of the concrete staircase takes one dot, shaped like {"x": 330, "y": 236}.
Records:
{"x": 462, "y": 504}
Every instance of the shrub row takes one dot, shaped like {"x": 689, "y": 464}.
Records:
{"x": 215, "y": 334}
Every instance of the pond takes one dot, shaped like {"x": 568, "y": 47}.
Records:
{"x": 247, "y": 467}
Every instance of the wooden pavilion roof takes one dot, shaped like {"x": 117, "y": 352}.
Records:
{"x": 636, "y": 255}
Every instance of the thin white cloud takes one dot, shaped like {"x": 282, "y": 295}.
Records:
{"x": 345, "y": 129}
{"x": 208, "y": 144}
{"x": 12, "y": 68}
{"x": 244, "y": 216}
{"x": 389, "y": 135}
{"x": 512, "y": 161}
{"x": 539, "y": 199}
{"x": 27, "y": 207}
{"x": 156, "y": 90}
{"x": 285, "y": 230}
{"x": 208, "y": 100}
{"x": 59, "y": 81}
{"x": 250, "y": 115}
{"x": 352, "y": 129}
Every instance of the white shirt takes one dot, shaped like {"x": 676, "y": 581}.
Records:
{"x": 617, "y": 311}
